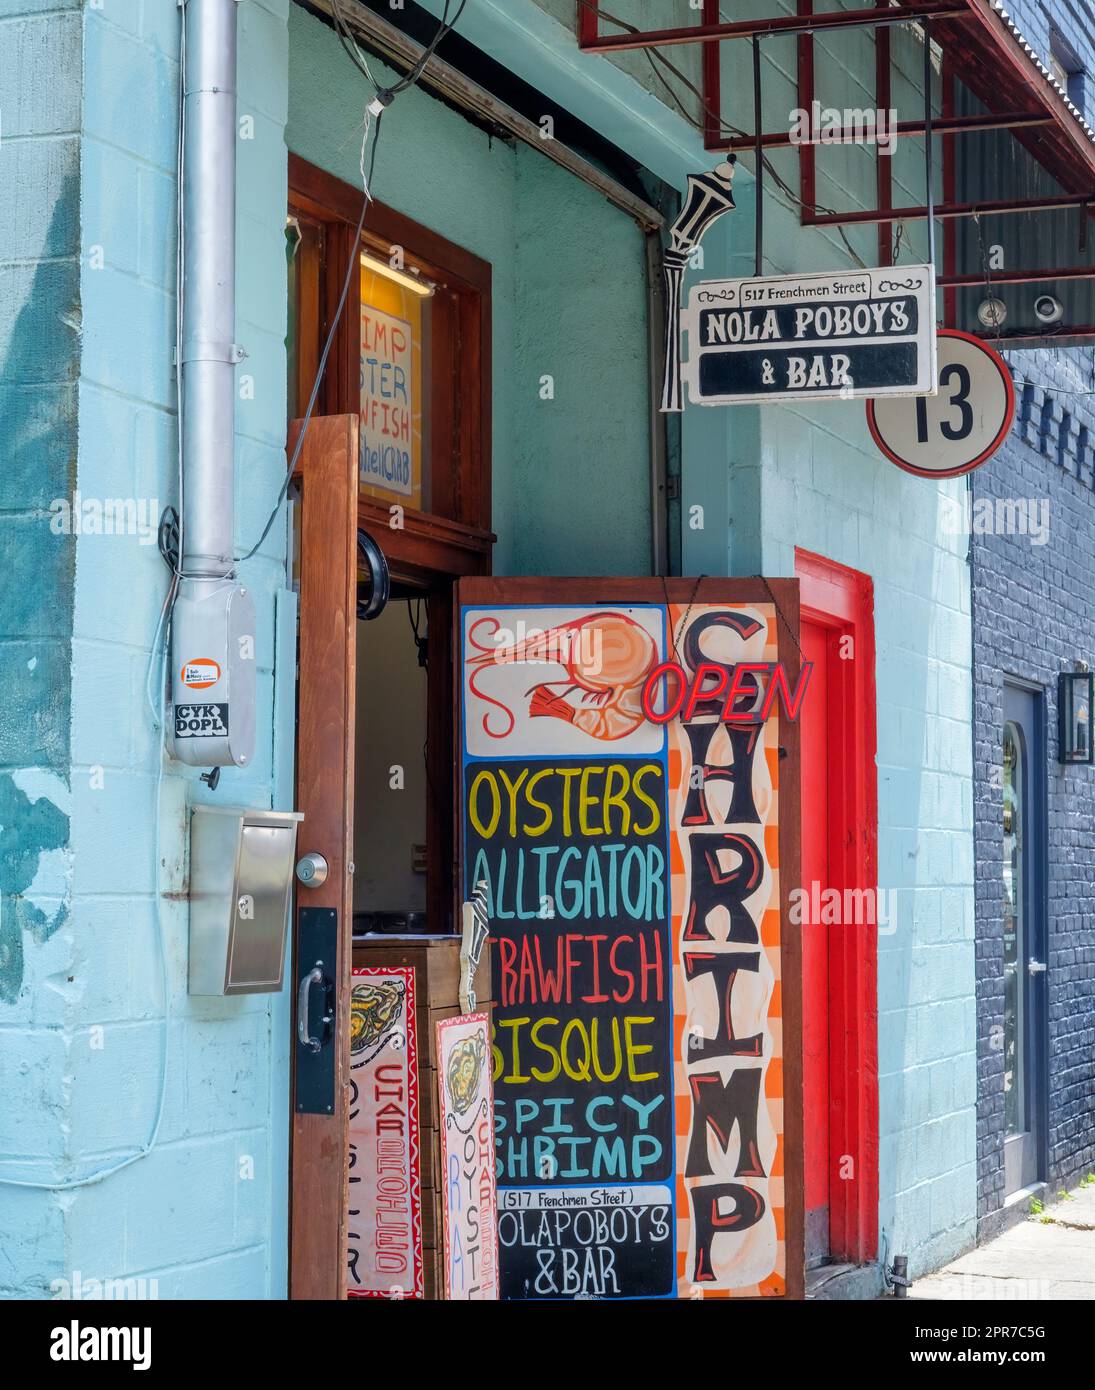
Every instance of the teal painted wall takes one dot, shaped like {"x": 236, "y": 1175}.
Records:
{"x": 204, "y": 1212}
{"x": 40, "y": 314}
{"x": 568, "y": 302}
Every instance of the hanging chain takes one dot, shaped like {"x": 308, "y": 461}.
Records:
{"x": 985, "y": 267}
{"x": 782, "y": 618}
{"x": 688, "y": 612}
{"x": 682, "y": 625}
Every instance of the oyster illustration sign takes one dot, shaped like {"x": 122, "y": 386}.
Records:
{"x": 384, "y": 1225}
{"x": 376, "y": 1007}
{"x": 468, "y": 1196}
{"x": 464, "y": 1072}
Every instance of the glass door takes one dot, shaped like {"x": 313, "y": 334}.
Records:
{"x": 1023, "y": 935}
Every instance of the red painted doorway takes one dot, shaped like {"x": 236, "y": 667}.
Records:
{"x": 815, "y": 962}
{"x": 839, "y": 933}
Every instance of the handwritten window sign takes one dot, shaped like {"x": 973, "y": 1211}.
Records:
{"x": 812, "y": 337}
{"x": 384, "y": 1226}
{"x": 387, "y": 444}
{"x": 393, "y": 331}
{"x": 468, "y": 1193}
{"x": 633, "y": 850}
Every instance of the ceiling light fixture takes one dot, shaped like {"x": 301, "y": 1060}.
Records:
{"x": 405, "y": 278}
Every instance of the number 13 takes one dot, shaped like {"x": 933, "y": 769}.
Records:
{"x": 959, "y": 398}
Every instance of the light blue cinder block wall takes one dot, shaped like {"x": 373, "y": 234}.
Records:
{"x": 773, "y": 478}
{"x": 40, "y": 90}
{"x": 203, "y": 1213}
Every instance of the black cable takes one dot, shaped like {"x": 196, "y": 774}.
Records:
{"x": 421, "y": 643}
{"x": 347, "y": 41}
{"x": 654, "y": 57}
{"x": 321, "y": 369}
{"x": 384, "y": 97}
{"x": 443, "y": 31}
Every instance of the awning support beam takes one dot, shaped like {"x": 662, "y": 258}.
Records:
{"x": 942, "y": 210}
{"x": 1016, "y": 277}
{"x": 591, "y": 40}
{"x": 952, "y": 125}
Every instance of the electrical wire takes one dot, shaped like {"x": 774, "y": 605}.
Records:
{"x": 383, "y": 97}
{"x": 446, "y": 27}
{"x": 351, "y": 265}
{"x": 1040, "y": 385}
{"x": 654, "y": 58}
{"x": 349, "y": 43}
{"x": 418, "y": 67}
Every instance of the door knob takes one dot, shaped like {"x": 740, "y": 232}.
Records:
{"x": 312, "y": 870}
{"x": 1036, "y": 967}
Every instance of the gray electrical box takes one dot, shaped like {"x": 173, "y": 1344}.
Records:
{"x": 212, "y": 674}
{"x": 241, "y": 875}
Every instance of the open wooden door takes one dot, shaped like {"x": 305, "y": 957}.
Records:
{"x": 629, "y": 794}
{"x": 323, "y": 925}
{"x": 639, "y": 872}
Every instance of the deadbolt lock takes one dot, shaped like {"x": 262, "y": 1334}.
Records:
{"x": 312, "y": 870}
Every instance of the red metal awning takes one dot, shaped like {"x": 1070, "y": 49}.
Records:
{"x": 981, "y": 45}
{"x": 984, "y": 52}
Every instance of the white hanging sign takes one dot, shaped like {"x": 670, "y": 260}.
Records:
{"x": 839, "y": 335}
{"x": 960, "y": 426}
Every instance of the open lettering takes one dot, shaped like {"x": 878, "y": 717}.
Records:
{"x": 742, "y": 698}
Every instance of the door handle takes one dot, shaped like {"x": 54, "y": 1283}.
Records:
{"x": 315, "y": 976}
{"x": 1036, "y": 967}
{"x": 317, "y": 966}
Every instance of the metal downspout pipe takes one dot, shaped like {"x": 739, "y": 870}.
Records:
{"x": 213, "y": 656}
{"x": 209, "y": 353}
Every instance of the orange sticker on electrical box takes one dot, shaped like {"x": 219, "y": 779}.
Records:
{"x": 201, "y": 673}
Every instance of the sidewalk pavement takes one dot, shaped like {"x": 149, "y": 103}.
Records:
{"x": 1051, "y": 1256}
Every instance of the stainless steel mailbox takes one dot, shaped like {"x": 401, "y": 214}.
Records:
{"x": 241, "y": 874}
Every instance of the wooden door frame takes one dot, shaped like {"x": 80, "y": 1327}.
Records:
{"x": 330, "y": 514}
{"x": 841, "y": 600}
{"x": 319, "y": 1148}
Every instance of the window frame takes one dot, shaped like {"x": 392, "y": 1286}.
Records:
{"x": 428, "y": 545}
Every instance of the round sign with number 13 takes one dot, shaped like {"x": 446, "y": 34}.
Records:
{"x": 951, "y": 433}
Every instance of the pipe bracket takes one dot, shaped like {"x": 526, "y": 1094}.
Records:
{"x": 202, "y": 350}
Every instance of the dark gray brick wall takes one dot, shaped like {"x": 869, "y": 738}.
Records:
{"x": 1033, "y": 616}
{"x": 1074, "y": 21}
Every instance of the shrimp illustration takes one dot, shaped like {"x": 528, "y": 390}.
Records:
{"x": 606, "y": 656}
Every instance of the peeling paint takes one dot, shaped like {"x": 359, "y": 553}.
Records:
{"x": 34, "y": 885}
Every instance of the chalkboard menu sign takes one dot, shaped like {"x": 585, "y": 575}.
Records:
{"x": 628, "y": 832}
